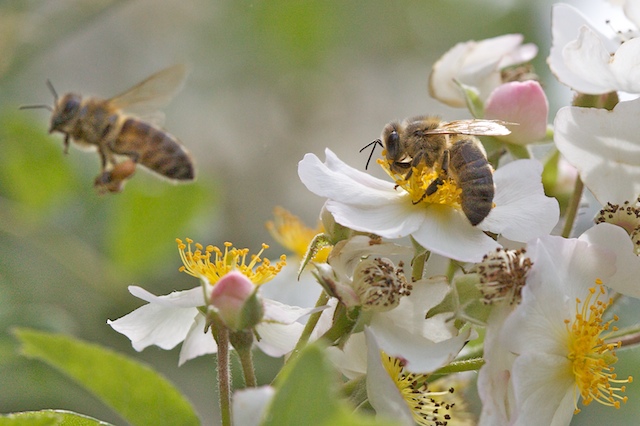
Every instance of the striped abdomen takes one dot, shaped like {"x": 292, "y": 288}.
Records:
{"x": 474, "y": 176}
{"x": 155, "y": 149}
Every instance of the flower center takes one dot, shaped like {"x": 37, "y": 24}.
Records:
{"x": 421, "y": 183}
{"x": 591, "y": 357}
{"x": 503, "y": 273}
{"x": 199, "y": 263}
{"x": 379, "y": 285}
{"x": 429, "y": 407}
{"x": 289, "y": 231}
{"x": 626, "y": 216}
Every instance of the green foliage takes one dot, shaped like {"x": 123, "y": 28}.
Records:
{"x": 307, "y": 394}
{"x": 147, "y": 217}
{"x": 135, "y": 391}
{"x": 48, "y": 418}
{"x": 31, "y": 168}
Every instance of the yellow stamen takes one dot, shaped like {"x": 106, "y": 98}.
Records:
{"x": 447, "y": 193}
{"x": 591, "y": 357}
{"x": 199, "y": 263}
{"x": 288, "y": 230}
{"x": 429, "y": 407}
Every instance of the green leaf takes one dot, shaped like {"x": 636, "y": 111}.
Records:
{"x": 49, "y": 418}
{"x": 306, "y": 393}
{"x": 146, "y": 219}
{"x": 135, "y": 391}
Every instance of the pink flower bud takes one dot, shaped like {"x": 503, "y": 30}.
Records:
{"x": 522, "y": 102}
{"x": 234, "y": 299}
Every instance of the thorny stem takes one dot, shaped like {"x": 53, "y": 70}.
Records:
{"x": 572, "y": 208}
{"x": 221, "y": 335}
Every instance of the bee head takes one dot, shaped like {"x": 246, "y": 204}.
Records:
{"x": 65, "y": 111}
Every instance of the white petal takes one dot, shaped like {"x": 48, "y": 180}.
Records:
{"x": 625, "y": 65}
{"x": 566, "y": 22}
{"x": 381, "y": 390}
{"x": 277, "y": 340}
{"x": 522, "y": 211}
{"x": 351, "y": 360}
{"x": 249, "y": 405}
{"x": 447, "y": 232}
{"x": 179, "y": 299}
{"x": 154, "y": 324}
{"x": 617, "y": 241}
{"x": 404, "y": 333}
{"x": 275, "y": 311}
{"x": 588, "y": 59}
{"x": 543, "y": 386}
{"x": 198, "y": 342}
{"x": 337, "y": 181}
{"x": 605, "y": 148}
{"x": 286, "y": 288}
{"x": 395, "y": 219}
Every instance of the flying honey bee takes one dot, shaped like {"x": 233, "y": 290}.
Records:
{"x": 124, "y": 126}
{"x": 452, "y": 150}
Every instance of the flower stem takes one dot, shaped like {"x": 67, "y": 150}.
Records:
{"x": 572, "y": 208}
{"x": 309, "y": 327}
{"x": 242, "y": 341}
{"x": 221, "y": 335}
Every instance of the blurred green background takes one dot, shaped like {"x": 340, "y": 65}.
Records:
{"x": 270, "y": 81}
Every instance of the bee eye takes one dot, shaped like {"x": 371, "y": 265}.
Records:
{"x": 393, "y": 144}
{"x": 70, "y": 106}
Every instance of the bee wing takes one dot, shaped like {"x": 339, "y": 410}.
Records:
{"x": 474, "y": 127}
{"x": 147, "y": 97}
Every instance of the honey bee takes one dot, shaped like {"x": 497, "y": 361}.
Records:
{"x": 452, "y": 150}
{"x": 123, "y": 126}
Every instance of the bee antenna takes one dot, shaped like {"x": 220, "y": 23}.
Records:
{"x": 53, "y": 91}
{"x": 49, "y": 107}
{"x": 374, "y": 143}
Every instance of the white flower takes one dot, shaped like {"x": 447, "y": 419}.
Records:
{"x": 587, "y": 60}
{"x": 423, "y": 344}
{"x": 250, "y": 405}
{"x": 605, "y": 148}
{"x": 550, "y": 352}
{"x": 476, "y": 64}
{"x": 364, "y": 203}
{"x": 168, "y": 320}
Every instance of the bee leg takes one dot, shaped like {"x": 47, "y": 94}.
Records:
{"x": 66, "y": 144}
{"x": 438, "y": 181}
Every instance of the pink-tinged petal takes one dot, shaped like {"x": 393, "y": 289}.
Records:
{"x": 604, "y": 147}
{"x": 337, "y": 181}
{"x": 524, "y": 103}
{"x": 522, "y": 211}
{"x": 393, "y": 220}
{"x": 543, "y": 389}
{"x": 277, "y": 340}
{"x": 249, "y": 405}
{"x": 155, "y": 324}
{"x": 381, "y": 390}
{"x": 198, "y": 342}
{"x": 179, "y": 299}
{"x": 448, "y": 232}
{"x": 617, "y": 241}
{"x": 230, "y": 295}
